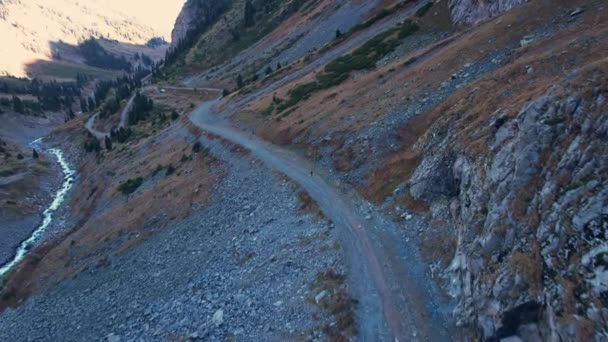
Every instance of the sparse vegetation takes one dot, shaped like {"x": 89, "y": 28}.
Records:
{"x": 269, "y": 109}
{"x": 91, "y": 144}
{"x": 336, "y": 302}
{"x": 95, "y": 55}
{"x": 553, "y": 121}
{"x": 363, "y": 58}
{"x": 142, "y": 106}
{"x": 385, "y": 12}
{"x": 309, "y": 205}
{"x": 130, "y": 185}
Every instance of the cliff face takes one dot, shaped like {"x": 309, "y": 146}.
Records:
{"x": 182, "y": 23}
{"x": 195, "y": 14}
{"x": 473, "y": 11}
{"x": 531, "y": 220}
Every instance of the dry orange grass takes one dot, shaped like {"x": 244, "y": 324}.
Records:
{"x": 367, "y": 94}
{"x": 578, "y": 46}
{"x": 529, "y": 265}
{"x": 309, "y": 205}
{"x": 392, "y": 172}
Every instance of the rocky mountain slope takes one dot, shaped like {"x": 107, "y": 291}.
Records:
{"x": 29, "y": 27}
{"x": 426, "y": 150}
{"x": 474, "y": 11}
{"x": 193, "y": 13}
{"x": 339, "y": 170}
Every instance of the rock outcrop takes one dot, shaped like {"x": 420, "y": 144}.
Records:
{"x": 182, "y": 23}
{"x": 194, "y": 15}
{"x": 531, "y": 217}
{"x": 474, "y": 11}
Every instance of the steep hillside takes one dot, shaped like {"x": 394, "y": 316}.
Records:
{"x": 337, "y": 170}
{"x": 278, "y": 32}
{"x": 29, "y": 27}
{"x": 478, "y": 132}
{"x": 474, "y": 11}
{"x": 195, "y": 13}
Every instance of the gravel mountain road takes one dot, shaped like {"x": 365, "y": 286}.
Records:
{"x": 394, "y": 291}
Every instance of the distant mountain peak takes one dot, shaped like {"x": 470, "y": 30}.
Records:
{"x": 29, "y": 27}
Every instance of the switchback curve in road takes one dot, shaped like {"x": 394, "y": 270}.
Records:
{"x": 124, "y": 120}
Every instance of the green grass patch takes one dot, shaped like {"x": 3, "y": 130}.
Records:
{"x": 363, "y": 58}
{"x": 269, "y": 110}
{"x": 7, "y": 172}
{"x": 407, "y": 28}
{"x": 299, "y": 93}
{"x": 61, "y": 70}
{"x": 385, "y": 12}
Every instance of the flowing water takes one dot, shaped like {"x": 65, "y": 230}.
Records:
{"x": 68, "y": 181}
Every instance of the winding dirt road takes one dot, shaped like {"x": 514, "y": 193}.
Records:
{"x": 395, "y": 301}
{"x": 124, "y": 120}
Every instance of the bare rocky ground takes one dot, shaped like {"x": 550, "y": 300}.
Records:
{"x": 527, "y": 220}
{"x": 240, "y": 268}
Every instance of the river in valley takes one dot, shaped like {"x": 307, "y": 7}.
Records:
{"x": 47, "y": 216}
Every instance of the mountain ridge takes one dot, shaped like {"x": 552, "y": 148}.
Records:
{"x": 29, "y": 27}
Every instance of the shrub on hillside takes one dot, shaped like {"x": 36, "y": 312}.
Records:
{"x": 91, "y": 144}
{"x": 170, "y": 170}
{"x": 130, "y": 185}
{"x": 196, "y": 148}
{"x": 142, "y": 106}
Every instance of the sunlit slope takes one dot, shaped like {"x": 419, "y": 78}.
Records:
{"x": 27, "y": 27}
